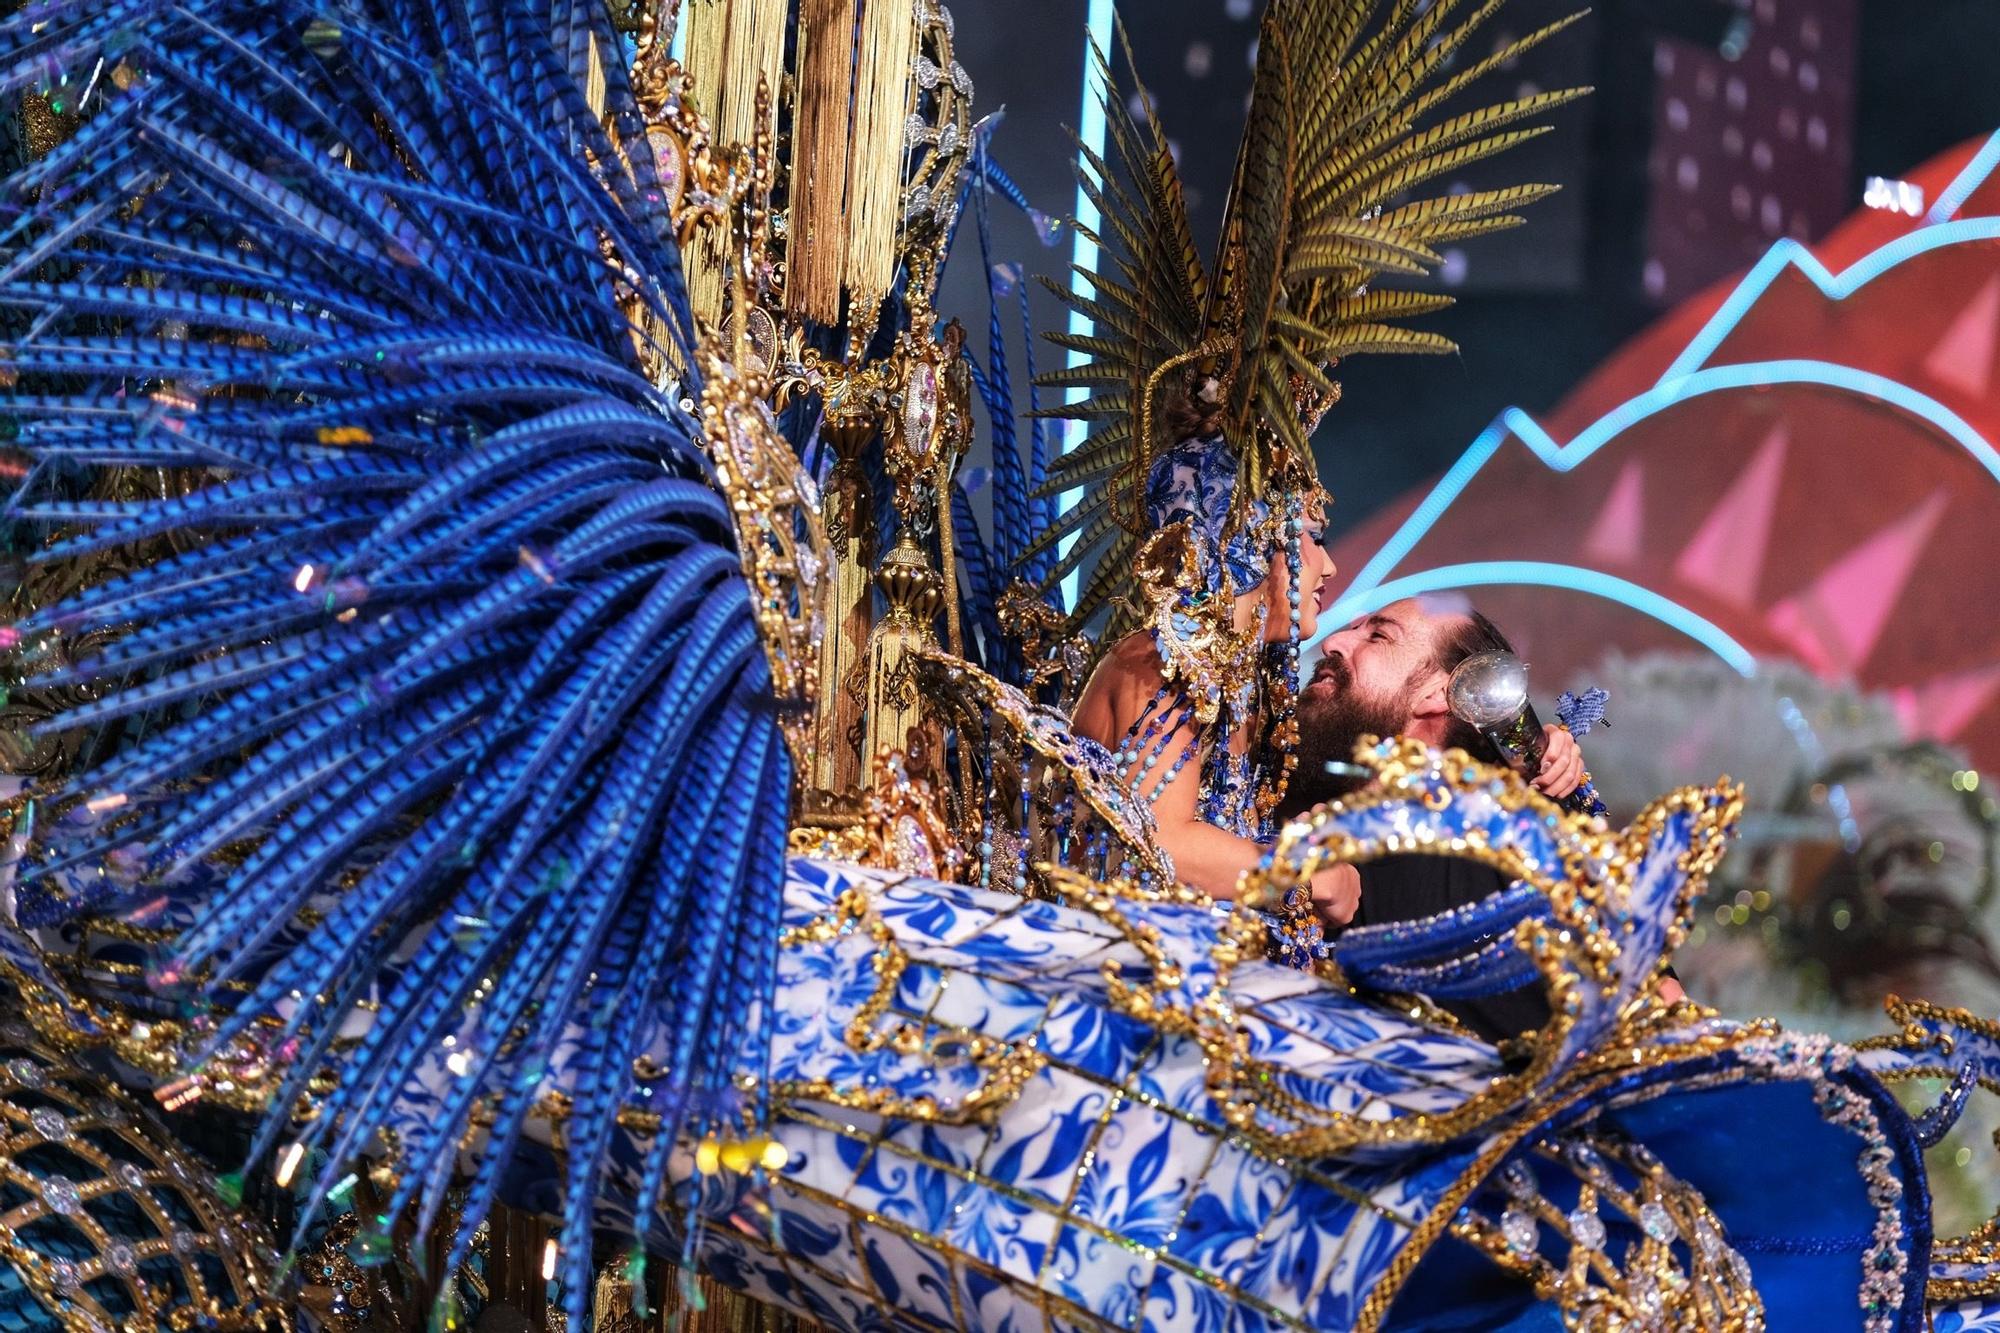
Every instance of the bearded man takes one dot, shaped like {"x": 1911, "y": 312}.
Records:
{"x": 1386, "y": 675}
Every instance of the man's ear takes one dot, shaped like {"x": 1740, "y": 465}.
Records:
{"x": 1431, "y": 701}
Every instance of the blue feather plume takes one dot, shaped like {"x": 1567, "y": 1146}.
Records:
{"x": 1018, "y": 510}
{"x": 455, "y": 631}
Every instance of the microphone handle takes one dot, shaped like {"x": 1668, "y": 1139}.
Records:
{"x": 1520, "y": 741}
{"x": 1523, "y": 744}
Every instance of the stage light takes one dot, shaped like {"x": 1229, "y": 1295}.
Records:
{"x": 1893, "y": 195}
{"x": 1091, "y": 131}
{"x": 1735, "y": 39}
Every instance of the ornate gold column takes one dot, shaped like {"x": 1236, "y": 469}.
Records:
{"x": 895, "y": 712}
{"x": 848, "y": 512}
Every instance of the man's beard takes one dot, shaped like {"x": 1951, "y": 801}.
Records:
{"x": 1332, "y": 722}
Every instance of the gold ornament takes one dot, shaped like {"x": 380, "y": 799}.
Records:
{"x": 82, "y": 1152}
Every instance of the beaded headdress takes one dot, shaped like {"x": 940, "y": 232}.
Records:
{"x": 1193, "y": 483}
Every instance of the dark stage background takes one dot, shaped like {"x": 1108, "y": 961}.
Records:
{"x": 1716, "y": 128}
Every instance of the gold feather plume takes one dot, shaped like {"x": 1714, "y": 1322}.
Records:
{"x": 1341, "y": 131}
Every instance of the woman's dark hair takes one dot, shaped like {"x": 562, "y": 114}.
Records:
{"x": 1183, "y": 414}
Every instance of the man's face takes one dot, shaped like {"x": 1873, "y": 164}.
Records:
{"x": 1368, "y": 682}
{"x": 1378, "y": 663}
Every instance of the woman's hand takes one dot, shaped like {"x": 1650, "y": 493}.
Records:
{"x": 1336, "y": 893}
{"x": 1562, "y": 766}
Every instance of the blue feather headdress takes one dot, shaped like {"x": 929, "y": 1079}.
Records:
{"x": 455, "y": 640}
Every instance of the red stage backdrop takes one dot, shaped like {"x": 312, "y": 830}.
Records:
{"x": 1799, "y": 461}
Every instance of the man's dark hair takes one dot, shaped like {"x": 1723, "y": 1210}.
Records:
{"x": 1455, "y": 641}
{"x": 1465, "y": 635}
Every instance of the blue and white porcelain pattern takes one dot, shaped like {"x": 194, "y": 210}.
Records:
{"x": 1980, "y": 1316}
{"x": 1113, "y": 1193}
{"x": 1116, "y": 1191}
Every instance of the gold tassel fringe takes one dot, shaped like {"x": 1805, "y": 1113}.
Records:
{"x": 731, "y": 45}
{"x": 815, "y": 266}
{"x": 882, "y": 100}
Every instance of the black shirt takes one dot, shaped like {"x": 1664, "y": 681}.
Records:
{"x": 1413, "y": 885}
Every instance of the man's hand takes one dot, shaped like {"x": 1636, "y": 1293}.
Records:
{"x": 1562, "y": 766}
{"x": 1336, "y": 892}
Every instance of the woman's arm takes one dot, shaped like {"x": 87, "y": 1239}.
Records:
{"x": 1125, "y": 682}
{"x": 1213, "y": 859}
{"x": 1209, "y": 858}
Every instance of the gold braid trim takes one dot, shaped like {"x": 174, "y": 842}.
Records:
{"x": 1981, "y": 1245}
{"x": 1441, "y": 1217}
{"x": 1577, "y": 947}
{"x": 1007, "y": 1066}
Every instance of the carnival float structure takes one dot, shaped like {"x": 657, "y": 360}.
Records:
{"x": 521, "y": 739}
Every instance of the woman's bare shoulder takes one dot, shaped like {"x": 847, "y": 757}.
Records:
{"x": 1126, "y": 677}
{"x": 1132, "y": 665}
{"x": 1135, "y": 654}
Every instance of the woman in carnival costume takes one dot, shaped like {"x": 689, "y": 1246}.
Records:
{"x": 1198, "y": 708}
{"x": 1201, "y": 514}
{"x": 455, "y": 639}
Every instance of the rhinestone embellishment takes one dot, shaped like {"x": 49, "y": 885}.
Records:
{"x": 1587, "y": 1228}
{"x": 50, "y": 1123}
{"x": 61, "y": 1196}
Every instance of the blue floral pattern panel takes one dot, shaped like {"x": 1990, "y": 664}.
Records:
{"x": 1111, "y": 1190}
{"x": 1002, "y": 1113}
{"x": 1975, "y": 1316}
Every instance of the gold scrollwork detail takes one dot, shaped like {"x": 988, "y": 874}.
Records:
{"x": 1005, "y": 1066}
{"x": 1572, "y": 948}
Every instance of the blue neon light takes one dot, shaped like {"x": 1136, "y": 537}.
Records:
{"x": 1091, "y": 130}
{"x": 1532, "y": 573}
{"x": 1686, "y": 378}
{"x": 1836, "y": 287}
{"x": 1564, "y": 457}
{"x": 1961, "y": 188}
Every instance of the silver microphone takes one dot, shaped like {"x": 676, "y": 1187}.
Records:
{"x": 1490, "y": 691}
